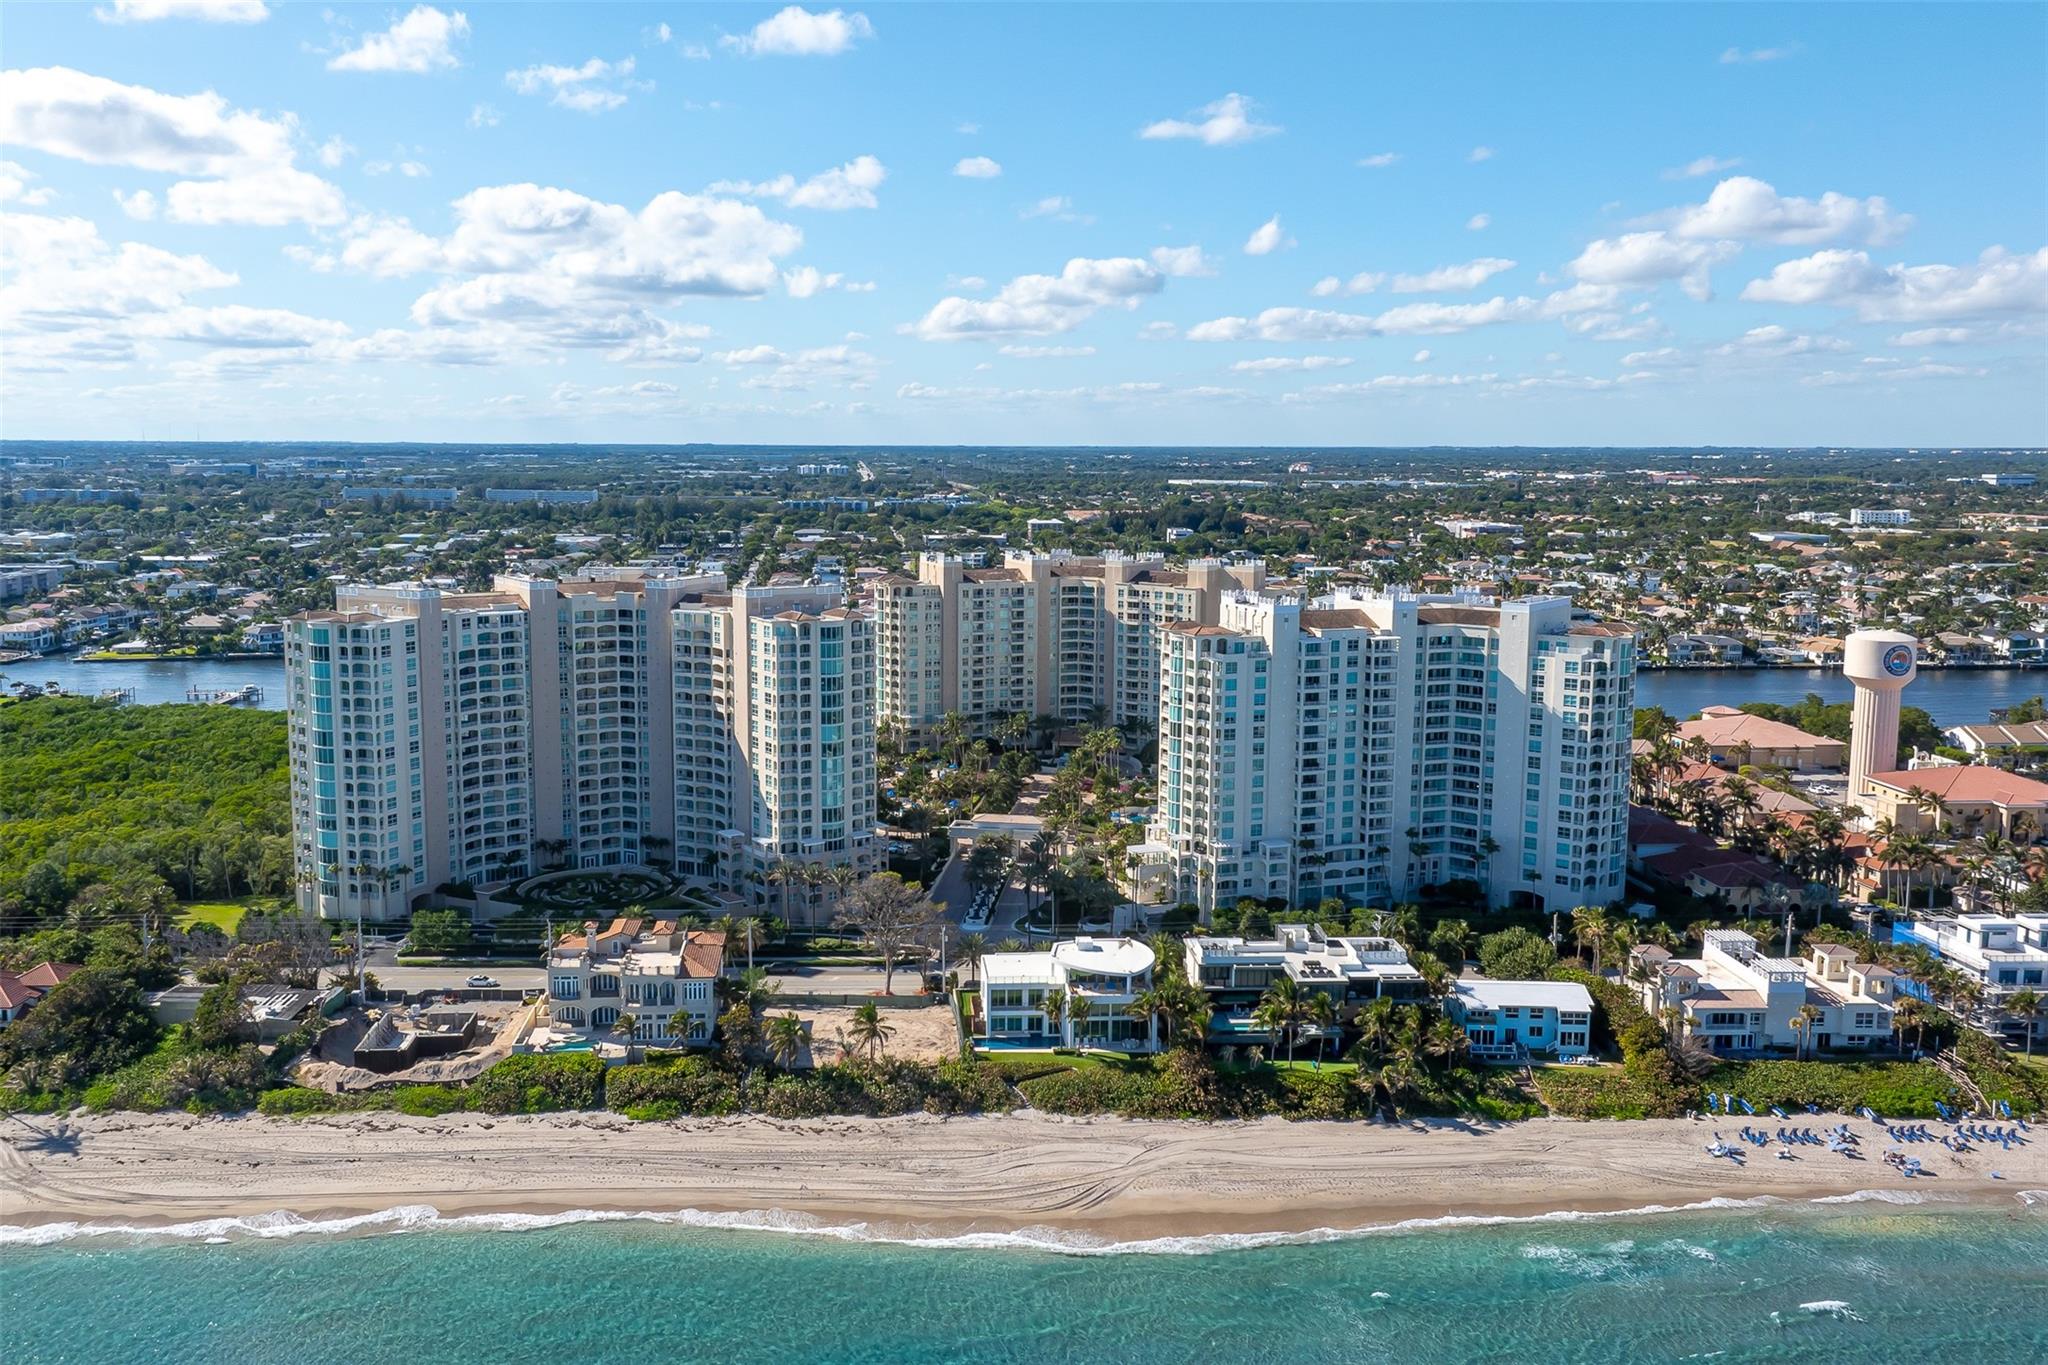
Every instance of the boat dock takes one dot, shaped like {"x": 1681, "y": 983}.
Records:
{"x": 249, "y": 695}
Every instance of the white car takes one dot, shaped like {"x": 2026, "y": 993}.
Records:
{"x": 482, "y": 983}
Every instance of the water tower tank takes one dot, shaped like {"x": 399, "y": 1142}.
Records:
{"x": 1880, "y": 663}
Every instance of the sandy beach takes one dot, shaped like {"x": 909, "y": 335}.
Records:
{"x": 1109, "y": 1177}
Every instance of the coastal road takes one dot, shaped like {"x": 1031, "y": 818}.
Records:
{"x": 383, "y": 965}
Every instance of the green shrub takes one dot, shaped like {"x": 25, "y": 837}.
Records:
{"x": 288, "y": 1101}
{"x": 1893, "y": 1089}
{"x": 691, "y": 1084}
{"x": 1605, "y": 1093}
{"x": 429, "y": 1101}
{"x": 540, "y": 1084}
{"x": 2002, "y": 1076}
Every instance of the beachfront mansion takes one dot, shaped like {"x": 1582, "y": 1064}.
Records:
{"x": 1357, "y": 747}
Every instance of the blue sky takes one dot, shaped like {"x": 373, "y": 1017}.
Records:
{"x": 1539, "y": 224}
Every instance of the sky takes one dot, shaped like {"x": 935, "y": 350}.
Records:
{"x": 1025, "y": 224}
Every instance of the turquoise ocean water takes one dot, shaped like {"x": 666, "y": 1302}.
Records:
{"x": 1777, "y": 1282}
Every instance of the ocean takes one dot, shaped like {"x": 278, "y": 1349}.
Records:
{"x": 1855, "y": 1279}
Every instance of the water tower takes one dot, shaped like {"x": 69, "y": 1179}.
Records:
{"x": 1880, "y": 663}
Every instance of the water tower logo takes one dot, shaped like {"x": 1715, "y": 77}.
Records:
{"x": 1898, "y": 660}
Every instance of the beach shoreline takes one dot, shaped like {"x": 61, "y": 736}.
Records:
{"x": 920, "y": 1177}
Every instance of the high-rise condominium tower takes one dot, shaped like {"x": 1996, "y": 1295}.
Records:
{"x": 1364, "y": 747}
{"x": 588, "y": 722}
{"x": 1043, "y": 635}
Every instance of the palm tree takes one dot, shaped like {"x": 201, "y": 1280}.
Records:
{"x": 623, "y": 1026}
{"x": 1079, "y": 1007}
{"x": 784, "y": 874}
{"x": 1054, "y": 1007}
{"x": 1322, "y": 1013}
{"x": 1590, "y": 925}
{"x": 1803, "y": 1020}
{"x": 1282, "y": 1010}
{"x": 2025, "y": 1005}
{"x": 680, "y": 1024}
{"x": 1909, "y": 1013}
{"x": 1445, "y": 1041}
{"x": 1154, "y": 1006}
{"x": 970, "y": 950}
{"x": 1377, "y": 1024}
{"x": 869, "y": 1034}
{"x": 785, "y": 1033}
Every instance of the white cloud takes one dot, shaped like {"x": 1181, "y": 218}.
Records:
{"x": 1421, "y": 357}
{"x": 807, "y": 280}
{"x": 1057, "y": 207}
{"x": 1736, "y": 56}
{"x": 67, "y": 297}
{"x": 14, "y": 186}
{"x": 851, "y": 186}
{"x": 234, "y": 325}
{"x": 797, "y": 32}
{"x": 1267, "y": 238}
{"x": 247, "y": 159}
{"x": 1479, "y": 222}
{"x": 1411, "y": 319}
{"x": 1470, "y": 275}
{"x": 1158, "y": 331}
{"x": 1279, "y": 364}
{"x": 1887, "y": 374}
{"x": 206, "y": 11}
{"x": 1226, "y": 123}
{"x": 1478, "y": 154}
{"x": 1999, "y": 282}
{"x": 1939, "y": 336}
{"x": 1379, "y": 159}
{"x": 141, "y": 205}
{"x": 1043, "y": 305}
{"x": 1045, "y": 352}
{"x": 1743, "y": 208}
{"x": 592, "y": 88}
{"x": 484, "y": 116}
{"x": 1774, "y": 342}
{"x": 1183, "y": 262}
{"x": 977, "y": 168}
{"x": 751, "y": 355}
{"x": 1364, "y": 282}
{"x": 334, "y": 151}
{"x": 1647, "y": 258}
{"x": 1704, "y": 165}
{"x": 422, "y": 41}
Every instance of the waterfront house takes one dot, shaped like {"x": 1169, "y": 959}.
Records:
{"x": 1353, "y": 972}
{"x": 2004, "y": 954}
{"x": 2001, "y": 741}
{"x": 654, "y": 973}
{"x": 1108, "y": 974}
{"x": 1511, "y": 1021}
{"x": 1735, "y": 998}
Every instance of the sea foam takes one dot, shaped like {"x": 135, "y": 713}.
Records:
{"x": 409, "y": 1218}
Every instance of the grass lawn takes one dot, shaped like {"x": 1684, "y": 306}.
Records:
{"x": 222, "y": 915}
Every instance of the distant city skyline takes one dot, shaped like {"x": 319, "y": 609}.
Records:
{"x": 1259, "y": 225}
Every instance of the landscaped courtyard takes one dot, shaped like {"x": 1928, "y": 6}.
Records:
{"x": 607, "y": 890}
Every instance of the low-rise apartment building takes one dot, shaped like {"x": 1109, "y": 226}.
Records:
{"x": 1737, "y": 999}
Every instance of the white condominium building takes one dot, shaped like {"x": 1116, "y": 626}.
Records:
{"x": 592, "y": 722}
{"x": 1044, "y": 634}
{"x": 1363, "y": 747}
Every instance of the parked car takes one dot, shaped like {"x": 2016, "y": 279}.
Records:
{"x": 482, "y": 983}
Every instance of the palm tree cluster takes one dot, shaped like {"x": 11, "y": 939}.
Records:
{"x": 1398, "y": 1048}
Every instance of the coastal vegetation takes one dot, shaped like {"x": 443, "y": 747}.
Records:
{"x": 193, "y": 796}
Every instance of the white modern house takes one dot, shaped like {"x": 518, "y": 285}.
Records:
{"x": 1353, "y": 972}
{"x": 654, "y": 973}
{"x": 2005, "y": 954}
{"x": 1510, "y": 1021}
{"x": 1735, "y": 998}
{"x": 1097, "y": 980}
